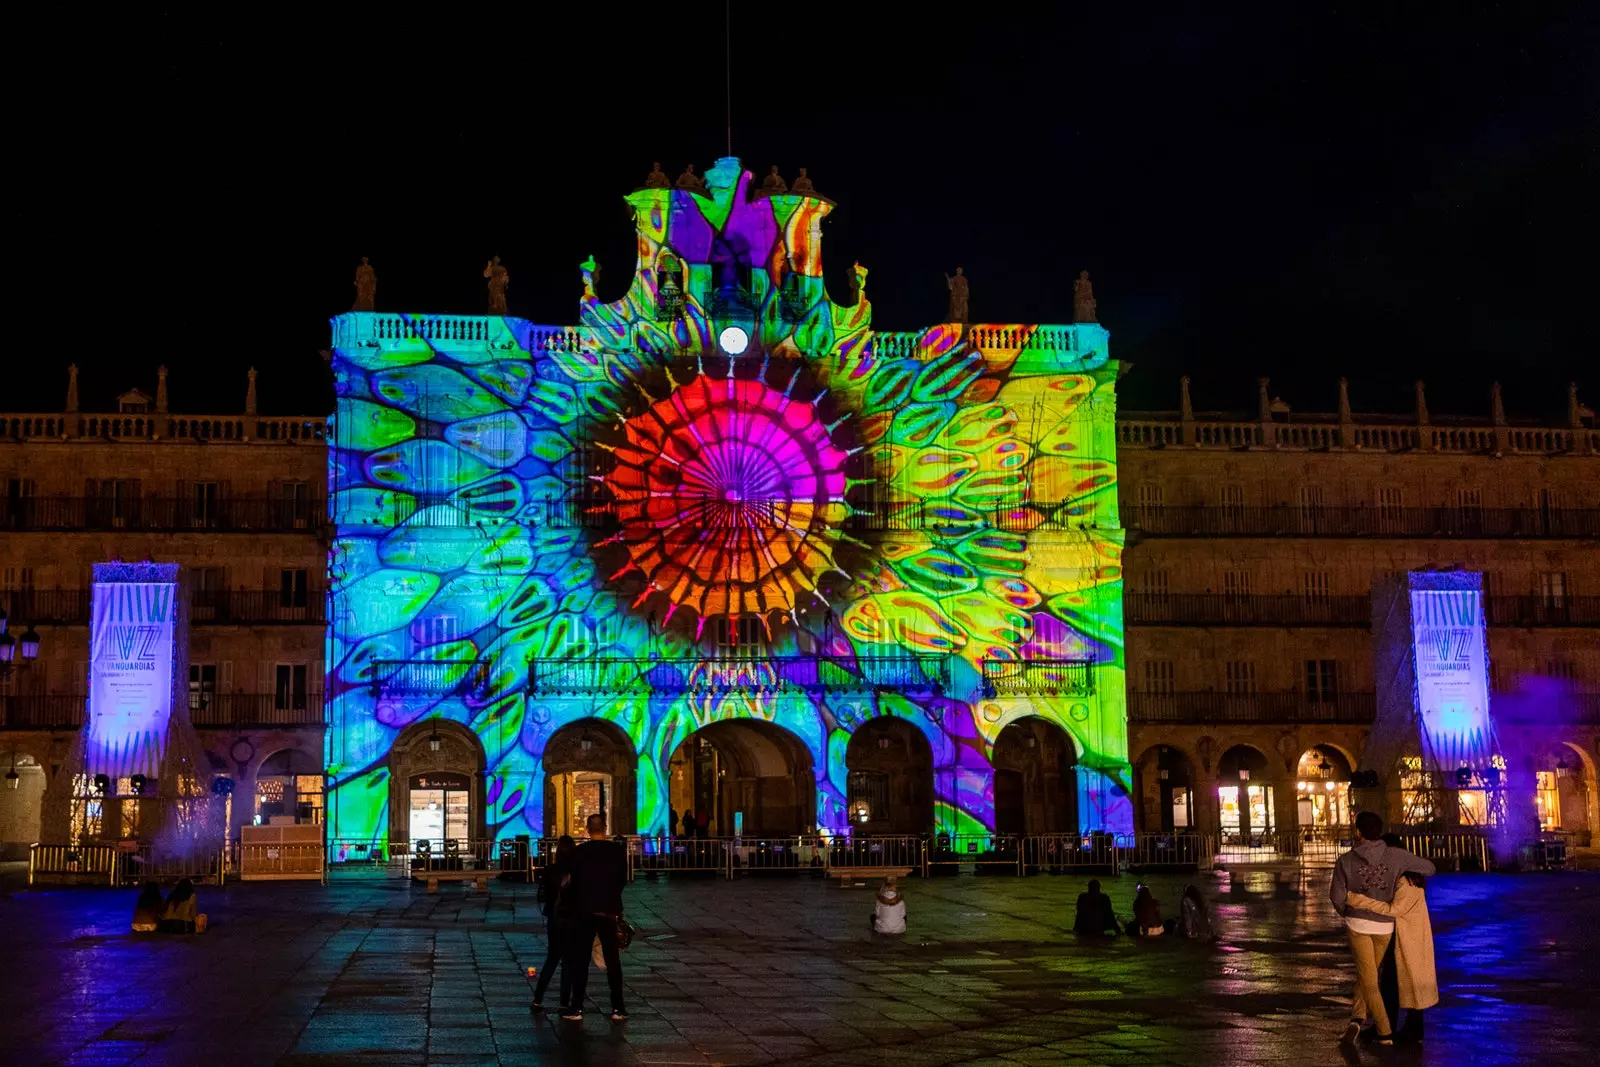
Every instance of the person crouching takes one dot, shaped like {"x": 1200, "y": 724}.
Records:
{"x": 889, "y": 913}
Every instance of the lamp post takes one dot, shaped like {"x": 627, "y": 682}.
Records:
{"x": 434, "y": 740}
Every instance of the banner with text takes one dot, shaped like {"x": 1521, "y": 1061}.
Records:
{"x": 130, "y": 676}
{"x": 1452, "y": 675}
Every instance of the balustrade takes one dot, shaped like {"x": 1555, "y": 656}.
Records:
{"x": 256, "y": 514}
{"x": 1222, "y": 609}
{"x": 1210, "y": 706}
{"x": 1292, "y": 521}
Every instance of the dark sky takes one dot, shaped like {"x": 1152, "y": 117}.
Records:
{"x": 1361, "y": 192}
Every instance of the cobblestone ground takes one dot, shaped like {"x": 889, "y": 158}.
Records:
{"x": 782, "y": 971}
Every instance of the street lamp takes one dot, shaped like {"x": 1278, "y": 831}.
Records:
{"x": 9, "y": 646}
{"x": 434, "y": 740}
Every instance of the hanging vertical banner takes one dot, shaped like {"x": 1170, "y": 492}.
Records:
{"x": 1449, "y": 642}
{"x": 133, "y": 626}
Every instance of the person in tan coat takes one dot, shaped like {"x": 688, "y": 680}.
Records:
{"x": 1413, "y": 932}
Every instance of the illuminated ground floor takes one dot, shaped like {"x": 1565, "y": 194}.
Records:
{"x": 779, "y": 971}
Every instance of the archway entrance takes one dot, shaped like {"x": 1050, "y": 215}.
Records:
{"x": 1564, "y": 792}
{"x": 436, "y": 785}
{"x": 21, "y": 804}
{"x": 1166, "y": 790}
{"x": 289, "y": 789}
{"x": 1244, "y": 795}
{"x": 1035, "y": 779}
{"x": 589, "y": 770}
{"x": 743, "y": 777}
{"x": 889, "y": 766}
{"x": 1322, "y": 789}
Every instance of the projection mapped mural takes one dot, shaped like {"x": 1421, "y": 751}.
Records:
{"x": 721, "y": 498}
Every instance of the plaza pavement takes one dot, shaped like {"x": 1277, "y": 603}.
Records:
{"x": 782, "y": 970}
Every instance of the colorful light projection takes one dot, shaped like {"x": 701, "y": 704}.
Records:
{"x": 132, "y": 645}
{"x": 578, "y": 503}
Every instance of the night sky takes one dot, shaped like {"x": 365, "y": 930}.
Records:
{"x": 1376, "y": 195}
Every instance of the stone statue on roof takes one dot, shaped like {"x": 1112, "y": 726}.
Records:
{"x": 773, "y": 184}
{"x": 958, "y": 296}
{"x": 499, "y": 279}
{"x": 690, "y": 180}
{"x": 802, "y": 185}
{"x": 366, "y": 288}
{"x": 1083, "y": 302}
{"x": 657, "y": 178}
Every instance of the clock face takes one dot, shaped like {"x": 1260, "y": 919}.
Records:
{"x": 733, "y": 340}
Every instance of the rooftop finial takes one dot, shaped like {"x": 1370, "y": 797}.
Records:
{"x": 1497, "y": 405}
{"x": 161, "y": 390}
{"x": 1083, "y": 301}
{"x": 72, "y": 387}
{"x": 250, "y": 393}
{"x": 1185, "y": 405}
{"x": 1422, "y": 405}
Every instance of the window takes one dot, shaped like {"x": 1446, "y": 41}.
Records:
{"x": 739, "y": 637}
{"x": 1470, "y": 504}
{"x": 293, "y": 586}
{"x": 1159, "y": 677}
{"x": 205, "y": 497}
{"x": 202, "y": 686}
{"x": 1151, "y": 496}
{"x": 295, "y": 498}
{"x": 1311, "y": 504}
{"x": 1564, "y": 670}
{"x": 1231, "y": 499}
{"x": 1241, "y": 677}
{"x": 869, "y": 796}
{"x": 210, "y": 592}
{"x": 433, "y": 630}
{"x": 1236, "y": 584}
{"x": 118, "y": 497}
{"x": 1548, "y": 800}
{"x": 291, "y": 690}
{"x": 1391, "y": 508}
{"x": 1553, "y": 589}
{"x": 1322, "y": 680}
{"x": 18, "y": 578}
{"x": 1155, "y": 585}
{"x": 1315, "y": 586}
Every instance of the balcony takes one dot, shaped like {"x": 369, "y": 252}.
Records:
{"x": 1543, "y": 611}
{"x": 207, "y": 607}
{"x": 1292, "y": 521}
{"x": 909, "y": 673}
{"x": 56, "y": 711}
{"x": 156, "y": 427}
{"x": 1210, "y": 707}
{"x": 1222, "y": 609}
{"x": 241, "y": 514}
{"x": 1056, "y": 677}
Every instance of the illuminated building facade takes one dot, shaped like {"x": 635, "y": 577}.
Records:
{"x": 723, "y": 548}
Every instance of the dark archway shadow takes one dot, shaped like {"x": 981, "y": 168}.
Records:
{"x": 743, "y": 776}
{"x": 1035, "y": 779}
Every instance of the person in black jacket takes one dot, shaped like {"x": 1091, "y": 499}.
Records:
{"x": 555, "y": 900}
{"x": 599, "y": 871}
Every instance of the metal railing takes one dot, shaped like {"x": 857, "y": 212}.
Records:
{"x": 674, "y": 855}
{"x": 251, "y": 514}
{"x": 1538, "y": 610}
{"x": 1223, "y": 609}
{"x": 1292, "y": 521}
{"x": 1210, "y": 706}
{"x": 42, "y": 711}
{"x": 73, "y": 863}
{"x": 66, "y": 711}
{"x": 908, "y": 672}
{"x": 117, "y": 865}
{"x": 1058, "y": 677}
{"x": 207, "y": 607}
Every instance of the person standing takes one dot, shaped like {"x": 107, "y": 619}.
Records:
{"x": 556, "y": 903}
{"x": 1372, "y": 869}
{"x": 1413, "y": 938}
{"x": 599, "y": 871}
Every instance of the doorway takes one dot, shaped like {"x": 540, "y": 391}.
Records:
{"x": 589, "y": 769}
{"x": 1035, "y": 779}
{"x": 441, "y": 808}
{"x": 889, "y": 778}
{"x": 1244, "y": 796}
{"x": 743, "y": 778}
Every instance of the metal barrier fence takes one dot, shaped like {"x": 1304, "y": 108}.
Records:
{"x": 513, "y": 859}
{"x": 280, "y": 862}
{"x": 680, "y": 855}
{"x": 114, "y": 865}
{"x": 73, "y": 863}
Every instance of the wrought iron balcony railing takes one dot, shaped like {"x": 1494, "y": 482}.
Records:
{"x": 1543, "y": 610}
{"x": 1210, "y": 706}
{"x": 1222, "y": 609}
{"x": 907, "y": 673}
{"x": 1057, "y": 677}
{"x": 1291, "y": 521}
{"x": 66, "y": 711}
{"x": 207, "y": 607}
{"x": 162, "y": 514}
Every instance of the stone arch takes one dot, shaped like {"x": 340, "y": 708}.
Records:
{"x": 889, "y": 777}
{"x": 1035, "y": 778}
{"x": 1164, "y": 781}
{"x": 1246, "y": 794}
{"x": 1569, "y": 793}
{"x": 22, "y": 808}
{"x": 1322, "y": 789}
{"x": 281, "y": 785}
{"x": 590, "y": 747}
{"x": 743, "y": 773}
{"x": 460, "y": 753}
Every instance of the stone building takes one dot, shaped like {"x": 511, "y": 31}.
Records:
{"x": 1253, "y": 545}
{"x": 239, "y": 501}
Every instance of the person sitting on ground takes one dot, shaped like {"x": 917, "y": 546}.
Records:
{"x": 178, "y": 916}
{"x": 1095, "y": 916}
{"x": 1147, "y": 920}
{"x": 147, "y": 909}
{"x": 1194, "y": 919}
{"x": 889, "y": 914}
{"x": 1413, "y": 938}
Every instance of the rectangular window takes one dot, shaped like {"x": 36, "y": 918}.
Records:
{"x": 739, "y": 637}
{"x": 202, "y": 686}
{"x": 1316, "y": 586}
{"x": 295, "y": 500}
{"x": 1241, "y": 677}
{"x": 293, "y": 587}
{"x": 1564, "y": 670}
{"x": 205, "y": 500}
{"x": 118, "y": 498}
{"x": 1322, "y": 680}
{"x": 1155, "y": 584}
{"x": 1470, "y": 504}
{"x": 1159, "y": 677}
{"x": 290, "y": 693}
{"x": 209, "y": 592}
{"x": 1391, "y": 509}
{"x": 1548, "y": 799}
{"x": 18, "y": 578}
{"x": 1236, "y": 584}
{"x": 1553, "y": 589}
{"x": 1231, "y": 500}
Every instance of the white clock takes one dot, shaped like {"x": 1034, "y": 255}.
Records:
{"x": 733, "y": 340}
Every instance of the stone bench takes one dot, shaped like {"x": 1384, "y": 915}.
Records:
{"x": 479, "y": 879}
{"x": 846, "y": 875}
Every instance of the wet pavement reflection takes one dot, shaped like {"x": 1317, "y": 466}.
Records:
{"x": 785, "y": 971}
